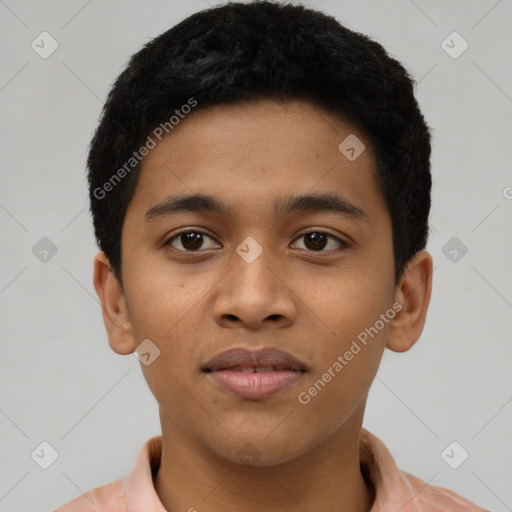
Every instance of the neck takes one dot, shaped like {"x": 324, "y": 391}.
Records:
{"x": 327, "y": 477}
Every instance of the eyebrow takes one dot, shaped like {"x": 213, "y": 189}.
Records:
{"x": 202, "y": 203}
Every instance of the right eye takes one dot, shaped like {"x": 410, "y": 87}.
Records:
{"x": 190, "y": 240}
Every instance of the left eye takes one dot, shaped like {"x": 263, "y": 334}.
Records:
{"x": 317, "y": 240}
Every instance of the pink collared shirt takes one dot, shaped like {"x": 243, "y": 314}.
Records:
{"x": 395, "y": 490}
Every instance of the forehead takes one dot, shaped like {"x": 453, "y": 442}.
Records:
{"x": 252, "y": 152}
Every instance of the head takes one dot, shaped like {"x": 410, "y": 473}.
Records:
{"x": 251, "y": 105}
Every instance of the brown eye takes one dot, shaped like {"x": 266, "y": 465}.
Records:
{"x": 190, "y": 241}
{"x": 318, "y": 240}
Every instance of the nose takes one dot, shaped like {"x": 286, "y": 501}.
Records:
{"x": 256, "y": 294}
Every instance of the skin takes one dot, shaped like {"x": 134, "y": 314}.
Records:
{"x": 310, "y": 301}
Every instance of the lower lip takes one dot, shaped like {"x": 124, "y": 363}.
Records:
{"x": 255, "y": 386}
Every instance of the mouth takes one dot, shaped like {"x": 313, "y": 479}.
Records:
{"x": 254, "y": 375}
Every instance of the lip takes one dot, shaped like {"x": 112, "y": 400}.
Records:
{"x": 225, "y": 370}
{"x": 264, "y": 357}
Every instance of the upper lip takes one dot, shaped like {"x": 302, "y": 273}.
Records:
{"x": 264, "y": 357}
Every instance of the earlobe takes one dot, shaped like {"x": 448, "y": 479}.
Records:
{"x": 413, "y": 293}
{"x": 113, "y": 305}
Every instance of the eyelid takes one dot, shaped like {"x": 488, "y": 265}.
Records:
{"x": 344, "y": 244}
{"x": 168, "y": 240}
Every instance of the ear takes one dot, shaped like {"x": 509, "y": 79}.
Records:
{"x": 413, "y": 293}
{"x": 113, "y": 305}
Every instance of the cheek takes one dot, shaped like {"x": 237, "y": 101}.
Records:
{"x": 358, "y": 311}
{"x": 342, "y": 379}
{"x": 162, "y": 313}
{"x": 158, "y": 300}
{"x": 353, "y": 301}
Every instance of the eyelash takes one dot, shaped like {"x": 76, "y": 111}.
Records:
{"x": 343, "y": 244}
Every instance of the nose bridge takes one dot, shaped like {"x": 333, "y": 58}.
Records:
{"x": 254, "y": 289}
{"x": 252, "y": 264}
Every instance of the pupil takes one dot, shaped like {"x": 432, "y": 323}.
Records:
{"x": 191, "y": 240}
{"x": 318, "y": 240}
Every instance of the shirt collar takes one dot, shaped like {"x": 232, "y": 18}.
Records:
{"x": 377, "y": 464}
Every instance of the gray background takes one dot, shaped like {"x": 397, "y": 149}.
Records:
{"x": 59, "y": 380}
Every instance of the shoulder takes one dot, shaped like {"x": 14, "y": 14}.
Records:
{"x": 399, "y": 490}
{"x": 428, "y": 498}
{"x": 107, "y": 498}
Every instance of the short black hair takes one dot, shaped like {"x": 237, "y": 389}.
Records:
{"x": 240, "y": 52}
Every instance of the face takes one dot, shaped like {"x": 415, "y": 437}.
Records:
{"x": 307, "y": 281}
